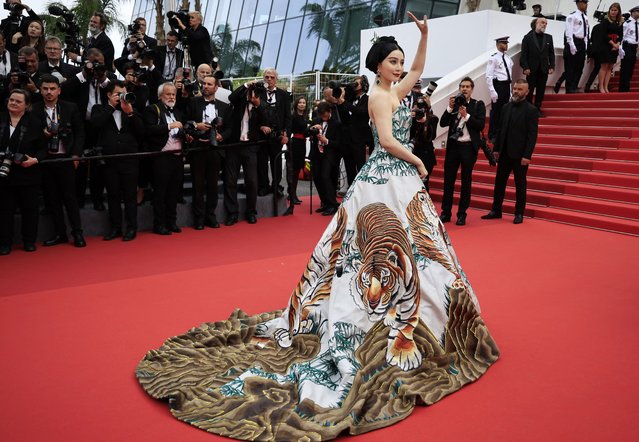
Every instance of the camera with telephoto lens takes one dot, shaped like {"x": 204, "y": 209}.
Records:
{"x": 349, "y": 89}
{"x": 7, "y": 158}
{"x": 313, "y": 132}
{"x": 69, "y": 26}
{"x": 421, "y": 108}
{"x": 58, "y": 133}
{"x": 431, "y": 88}
{"x": 182, "y": 14}
{"x": 93, "y": 69}
{"x": 127, "y": 97}
{"x": 460, "y": 100}
{"x": 14, "y": 8}
{"x": 258, "y": 88}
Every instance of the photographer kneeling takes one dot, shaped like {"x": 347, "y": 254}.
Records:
{"x": 465, "y": 119}
{"x": 22, "y": 146}
{"x": 423, "y": 131}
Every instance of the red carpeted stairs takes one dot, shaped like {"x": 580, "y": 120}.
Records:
{"x": 585, "y": 169}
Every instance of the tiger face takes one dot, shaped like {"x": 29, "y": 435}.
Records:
{"x": 379, "y": 283}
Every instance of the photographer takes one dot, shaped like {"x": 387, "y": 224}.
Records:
{"x": 248, "y": 124}
{"x": 423, "y": 131}
{"x": 63, "y": 128}
{"x": 163, "y": 122}
{"x": 99, "y": 40}
{"x": 197, "y": 38}
{"x": 134, "y": 79}
{"x": 326, "y": 133}
{"x": 168, "y": 58}
{"x": 53, "y": 64}
{"x": 358, "y": 130}
{"x": 465, "y": 118}
{"x": 212, "y": 118}
{"x": 120, "y": 131}
{"x": 25, "y": 75}
{"x": 22, "y": 147}
{"x": 138, "y": 38}
{"x": 16, "y": 22}
{"x": 8, "y": 61}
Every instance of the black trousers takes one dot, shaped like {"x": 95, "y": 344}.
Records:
{"x": 627, "y": 66}
{"x": 504, "y": 167}
{"x": 26, "y": 198}
{"x": 574, "y": 65}
{"x": 426, "y": 153}
{"x": 121, "y": 183}
{"x": 59, "y": 190}
{"x": 90, "y": 171}
{"x": 503, "y": 96}
{"x": 354, "y": 158}
{"x": 325, "y": 166}
{"x": 537, "y": 83}
{"x": 205, "y": 172}
{"x": 245, "y": 157}
{"x": 593, "y": 75}
{"x": 295, "y": 157}
{"x": 266, "y": 154}
{"x": 168, "y": 172}
{"x": 464, "y": 155}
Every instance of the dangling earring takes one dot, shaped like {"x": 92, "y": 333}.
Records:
{"x": 377, "y": 80}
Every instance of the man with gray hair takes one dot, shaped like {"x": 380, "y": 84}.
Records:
{"x": 54, "y": 64}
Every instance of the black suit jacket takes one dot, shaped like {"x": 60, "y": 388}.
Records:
{"x": 157, "y": 129}
{"x": 24, "y": 25}
{"x": 280, "y": 116}
{"x": 517, "y": 133}
{"x": 68, "y": 113}
{"x": 65, "y": 69}
{"x": 535, "y": 57}
{"x": 104, "y": 44}
{"x": 199, "y": 45}
{"x": 333, "y": 133}
{"x": 257, "y": 117}
{"x": 160, "y": 59}
{"x": 27, "y": 139}
{"x": 475, "y": 124}
{"x": 358, "y": 126}
{"x": 195, "y": 108}
{"x": 78, "y": 92}
{"x": 150, "y": 42}
{"x": 114, "y": 141}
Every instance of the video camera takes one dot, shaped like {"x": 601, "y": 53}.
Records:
{"x": 69, "y": 26}
{"x": 182, "y": 14}
{"x": 7, "y": 159}
{"x": 349, "y": 89}
{"x": 12, "y": 25}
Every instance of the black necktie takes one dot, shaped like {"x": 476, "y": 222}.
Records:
{"x": 270, "y": 96}
{"x": 4, "y": 56}
{"x": 636, "y": 32}
{"x": 583, "y": 17}
{"x": 503, "y": 57}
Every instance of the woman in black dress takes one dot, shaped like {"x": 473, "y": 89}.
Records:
{"x": 606, "y": 39}
{"x": 295, "y": 163}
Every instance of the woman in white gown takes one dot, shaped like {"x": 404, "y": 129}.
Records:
{"x": 382, "y": 319}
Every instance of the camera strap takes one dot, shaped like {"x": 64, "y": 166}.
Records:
{"x": 12, "y": 147}
{"x": 56, "y": 115}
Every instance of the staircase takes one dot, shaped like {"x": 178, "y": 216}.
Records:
{"x": 585, "y": 168}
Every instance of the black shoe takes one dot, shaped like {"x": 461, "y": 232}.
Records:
{"x": 174, "y": 229}
{"x": 212, "y": 223}
{"x": 295, "y": 200}
{"x": 251, "y": 218}
{"x": 321, "y": 209}
{"x": 5, "y": 250}
{"x": 231, "y": 220}
{"x": 114, "y": 233}
{"x": 461, "y": 219}
{"x": 58, "y": 239}
{"x": 161, "y": 231}
{"x": 557, "y": 87}
{"x": 288, "y": 211}
{"x": 99, "y": 206}
{"x": 330, "y": 211}
{"x": 29, "y": 247}
{"x": 78, "y": 240}
{"x": 492, "y": 215}
{"x": 129, "y": 235}
{"x": 444, "y": 217}
{"x": 519, "y": 218}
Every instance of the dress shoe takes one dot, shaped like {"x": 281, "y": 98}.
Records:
{"x": 58, "y": 239}
{"x": 444, "y": 217}
{"x": 129, "y": 235}
{"x": 78, "y": 240}
{"x": 99, "y": 206}
{"x": 557, "y": 87}
{"x": 5, "y": 250}
{"x": 492, "y": 215}
{"x": 288, "y": 211}
{"x": 519, "y": 218}
{"x": 461, "y": 219}
{"x": 295, "y": 200}
{"x": 29, "y": 247}
{"x": 161, "y": 231}
{"x": 330, "y": 211}
{"x": 212, "y": 223}
{"x": 231, "y": 220}
{"x": 175, "y": 229}
{"x": 321, "y": 209}
{"x": 115, "y": 233}
{"x": 251, "y": 218}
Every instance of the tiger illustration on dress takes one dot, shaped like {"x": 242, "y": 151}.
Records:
{"x": 314, "y": 286}
{"x": 387, "y": 281}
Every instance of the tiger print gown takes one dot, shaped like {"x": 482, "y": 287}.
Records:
{"x": 382, "y": 319}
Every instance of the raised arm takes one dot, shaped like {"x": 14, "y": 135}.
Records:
{"x": 416, "y": 69}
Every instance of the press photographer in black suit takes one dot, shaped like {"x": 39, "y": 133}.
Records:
{"x": 513, "y": 148}
{"x": 325, "y": 155}
{"x": 120, "y": 130}
{"x": 139, "y": 26}
{"x": 63, "y": 127}
{"x": 198, "y": 38}
{"x": 423, "y": 131}
{"x": 213, "y": 119}
{"x": 465, "y": 119}
{"x": 537, "y": 60}
{"x": 23, "y": 147}
{"x": 168, "y": 58}
{"x": 99, "y": 40}
{"x": 54, "y": 64}
{"x": 248, "y": 123}
{"x": 358, "y": 132}
{"x": 30, "y": 81}
{"x": 16, "y": 22}
{"x": 163, "y": 123}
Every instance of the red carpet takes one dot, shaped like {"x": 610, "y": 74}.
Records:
{"x": 560, "y": 301}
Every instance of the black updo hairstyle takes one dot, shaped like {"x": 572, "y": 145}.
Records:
{"x": 380, "y": 50}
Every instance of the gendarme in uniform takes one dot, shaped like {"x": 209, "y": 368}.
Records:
{"x": 576, "y": 39}
{"x": 499, "y": 71}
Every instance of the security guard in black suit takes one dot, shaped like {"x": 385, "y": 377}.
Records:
{"x": 358, "y": 132}
{"x": 63, "y": 127}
